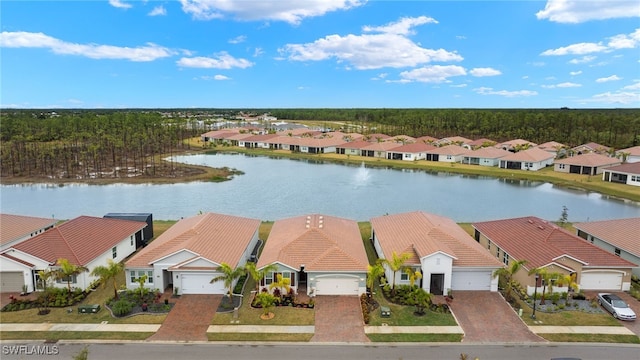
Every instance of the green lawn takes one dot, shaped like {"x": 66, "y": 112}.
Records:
{"x": 415, "y": 337}
{"x": 259, "y": 337}
{"x": 595, "y": 338}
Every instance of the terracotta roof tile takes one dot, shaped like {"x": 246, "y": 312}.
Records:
{"x": 14, "y": 227}
{"x": 488, "y": 153}
{"x": 530, "y": 155}
{"x": 633, "y": 151}
{"x": 413, "y": 148}
{"x": 629, "y": 168}
{"x": 319, "y": 242}
{"x": 449, "y": 150}
{"x": 28, "y": 264}
{"x": 540, "y": 242}
{"x": 216, "y": 237}
{"x": 80, "y": 240}
{"x": 621, "y": 233}
{"x": 427, "y": 234}
{"x": 589, "y": 159}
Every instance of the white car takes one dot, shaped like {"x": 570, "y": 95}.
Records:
{"x": 616, "y": 306}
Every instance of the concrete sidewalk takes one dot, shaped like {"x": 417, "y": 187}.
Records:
{"x": 275, "y": 329}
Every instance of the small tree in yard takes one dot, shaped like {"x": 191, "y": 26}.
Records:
{"x": 266, "y": 301}
{"x": 141, "y": 280}
{"x": 507, "y": 273}
{"x": 111, "y": 271}
{"x": 257, "y": 274}
{"x": 229, "y": 275}
{"x": 564, "y": 216}
{"x": 281, "y": 283}
{"x": 421, "y": 299}
{"x": 66, "y": 271}
{"x": 395, "y": 264}
{"x": 374, "y": 272}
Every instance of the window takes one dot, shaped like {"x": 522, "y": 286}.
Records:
{"x": 616, "y": 251}
{"x": 560, "y": 166}
{"x": 489, "y": 245}
{"x": 135, "y": 275}
{"x": 64, "y": 280}
{"x": 114, "y": 252}
{"x": 131, "y": 238}
{"x": 268, "y": 279}
{"x": 498, "y": 253}
{"x": 404, "y": 277}
{"x": 505, "y": 258}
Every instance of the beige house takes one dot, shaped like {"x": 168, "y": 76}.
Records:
{"x": 532, "y": 159}
{"x": 586, "y": 164}
{"x": 544, "y": 245}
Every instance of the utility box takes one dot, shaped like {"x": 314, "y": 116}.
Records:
{"x": 385, "y": 311}
{"x": 88, "y": 309}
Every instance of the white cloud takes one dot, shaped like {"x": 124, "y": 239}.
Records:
{"x": 433, "y": 73}
{"x": 290, "y": 11}
{"x": 158, "y": 11}
{"x": 238, "y": 39}
{"x": 480, "y": 72}
{"x": 618, "y": 97}
{"x": 506, "y": 93}
{"x": 575, "y": 49}
{"x": 574, "y": 73}
{"x": 635, "y": 86}
{"x": 371, "y": 51}
{"x": 461, "y": 37}
{"x": 401, "y": 27}
{"x": 607, "y": 79}
{"x": 562, "y": 85}
{"x": 582, "y": 60}
{"x": 577, "y": 11}
{"x": 257, "y": 52}
{"x": 119, "y": 4}
{"x": 222, "y": 61}
{"x": 623, "y": 41}
{"x": 458, "y": 86}
{"x": 21, "y": 39}
{"x": 215, "y": 77}
{"x": 380, "y": 76}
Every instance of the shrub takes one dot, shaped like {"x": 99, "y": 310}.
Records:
{"x": 364, "y": 305}
{"x": 121, "y": 307}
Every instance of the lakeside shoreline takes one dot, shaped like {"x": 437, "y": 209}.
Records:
{"x": 209, "y": 174}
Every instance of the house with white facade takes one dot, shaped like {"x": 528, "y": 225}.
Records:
{"x": 532, "y": 159}
{"x": 628, "y": 174}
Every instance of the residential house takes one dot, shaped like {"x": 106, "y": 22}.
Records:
{"x": 85, "y": 241}
{"x": 426, "y": 139}
{"x": 376, "y": 137}
{"x": 516, "y": 145}
{"x": 352, "y": 147}
{"x": 620, "y": 237}
{"x": 531, "y": 159}
{"x": 17, "y": 228}
{"x": 590, "y": 148}
{"x": 410, "y": 152}
{"x": 320, "y": 145}
{"x": 453, "y": 140}
{"x": 319, "y": 254}
{"x": 379, "y": 149}
{"x": 630, "y": 155}
{"x": 187, "y": 256}
{"x": 485, "y": 156}
{"x": 258, "y": 141}
{"x": 447, "y": 153}
{"x": 402, "y": 139}
{"x": 445, "y": 254}
{"x": 544, "y": 245}
{"x": 237, "y": 139}
{"x": 628, "y": 173}
{"x": 554, "y": 147}
{"x": 479, "y": 143}
{"x": 586, "y": 164}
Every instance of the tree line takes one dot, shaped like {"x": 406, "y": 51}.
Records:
{"x": 89, "y": 144}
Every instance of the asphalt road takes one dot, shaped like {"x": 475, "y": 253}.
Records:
{"x": 155, "y": 351}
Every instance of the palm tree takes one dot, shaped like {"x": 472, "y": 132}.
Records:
{"x": 373, "y": 273}
{"x": 395, "y": 264}
{"x": 266, "y": 301}
{"x": 257, "y": 274}
{"x": 281, "y": 283}
{"x": 229, "y": 275}
{"x": 547, "y": 281}
{"x": 111, "y": 271}
{"x": 507, "y": 273}
{"x": 421, "y": 299}
{"x": 67, "y": 270}
{"x": 413, "y": 275}
{"x": 45, "y": 277}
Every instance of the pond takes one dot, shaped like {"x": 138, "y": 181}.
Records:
{"x": 273, "y": 188}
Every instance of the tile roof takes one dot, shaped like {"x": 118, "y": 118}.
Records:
{"x": 319, "y": 242}
{"x": 629, "y": 168}
{"x": 453, "y": 139}
{"x": 381, "y": 146}
{"x": 551, "y": 146}
{"x": 589, "y": 159}
{"x": 80, "y": 240}
{"x": 402, "y": 139}
{"x": 592, "y": 147}
{"x": 376, "y": 137}
{"x": 426, "y": 139}
{"x": 413, "y": 148}
{"x": 422, "y": 234}
{"x": 621, "y": 233}
{"x": 13, "y": 227}
{"x": 216, "y": 237}
{"x": 539, "y": 242}
{"x": 488, "y": 153}
{"x": 633, "y": 151}
{"x": 449, "y": 150}
{"x": 480, "y": 142}
{"x": 530, "y": 155}
{"x": 358, "y": 144}
{"x": 23, "y": 262}
{"x": 516, "y": 142}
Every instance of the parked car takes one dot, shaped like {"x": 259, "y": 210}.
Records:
{"x": 616, "y": 306}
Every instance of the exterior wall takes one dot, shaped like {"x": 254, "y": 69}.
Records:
{"x": 352, "y": 152}
{"x": 135, "y": 273}
{"x": 38, "y": 263}
{"x": 611, "y": 249}
{"x": 413, "y": 156}
{"x": 626, "y": 275}
{"x": 563, "y": 168}
{"x": 281, "y": 269}
{"x": 11, "y": 266}
{"x": 450, "y": 158}
{"x": 436, "y": 264}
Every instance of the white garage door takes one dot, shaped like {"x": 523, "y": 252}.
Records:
{"x": 11, "y": 281}
{"x": 336, "y": 286}
{"x": 471, "y": 280}
{"x": 200, "y": 284}
{"x": 601, "y": 281}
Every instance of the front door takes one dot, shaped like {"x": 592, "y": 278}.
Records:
{"x": 436, "y": 284}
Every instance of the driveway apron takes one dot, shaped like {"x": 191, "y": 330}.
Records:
{"x": 338, "y": 319}
{"x": 189, "y": 319}
{"x": 486, "y": 317}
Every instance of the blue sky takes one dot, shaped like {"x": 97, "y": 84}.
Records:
{"x": 319, "y": 53}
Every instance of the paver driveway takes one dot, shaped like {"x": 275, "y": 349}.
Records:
{"x": 338, "y": 319}
{"x": 189, "y": 319}
{"x": 486, "y": 317}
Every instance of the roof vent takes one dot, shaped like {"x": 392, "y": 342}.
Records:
{"x": 530, "y": 221}
{"x": 321, "y": 217}
{"x": 320, "y": 226}
{"x": 307, "y": 226}
{"x": 540, "y": 227}
{"x": 308, "y": 217}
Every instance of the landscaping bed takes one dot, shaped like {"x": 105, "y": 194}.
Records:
{"x": 135, "y": 302}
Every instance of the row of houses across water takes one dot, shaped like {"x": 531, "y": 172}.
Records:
{"x": 621, "y": 166}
